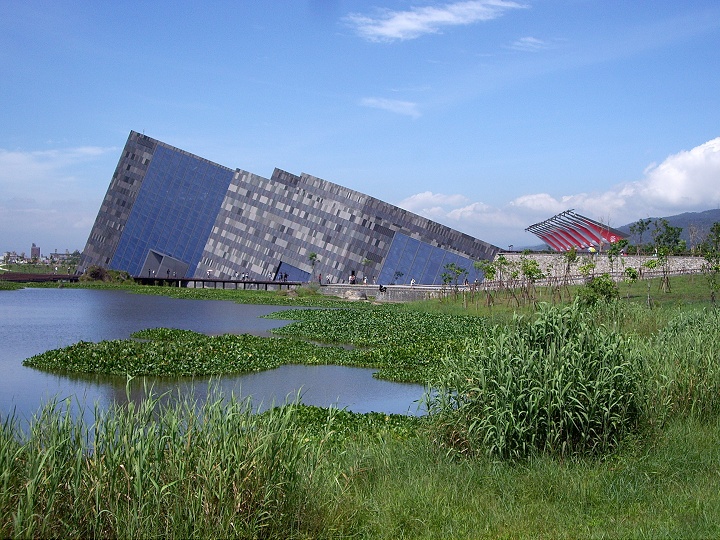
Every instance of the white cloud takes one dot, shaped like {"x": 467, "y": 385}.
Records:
{"x": 684, "y": 182}
{"x": 42, "y": 172}
{"x": 49, "y": 194}
{"x": 689, "y": 179}
{"x": 426, "y": 199}
{"x": 407, "y": 108}
{"x": 529, "y": 44}
{"x": 410, "y": 24}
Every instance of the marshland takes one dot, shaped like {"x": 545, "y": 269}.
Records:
{"x": 590, "y": 411}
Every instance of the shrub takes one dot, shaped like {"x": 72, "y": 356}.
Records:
{"x": 98, "y": 273}
{"x": 560, "y": 385}
{"x": 598, "y": 288}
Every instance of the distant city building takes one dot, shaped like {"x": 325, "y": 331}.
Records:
{"x": 568, "y": 230}
{"x": 34, "y": 252}
{"x": 170, "y": 213}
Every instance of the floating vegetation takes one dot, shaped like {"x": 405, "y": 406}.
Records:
{"x": 172, "y": 352}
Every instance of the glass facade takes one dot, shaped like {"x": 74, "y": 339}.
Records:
{"x": 174, "y": 211}
{"x": 410, "y": 259}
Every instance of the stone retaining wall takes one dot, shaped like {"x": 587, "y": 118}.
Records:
{"x": 392, "y": 293}
{"x": 554, "y": 265}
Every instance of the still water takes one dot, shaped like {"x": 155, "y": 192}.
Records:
{"x": 36, "y": 320}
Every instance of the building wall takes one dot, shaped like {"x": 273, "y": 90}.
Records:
{"x": 169, "y": 211}
{"x": 119, "y": 199}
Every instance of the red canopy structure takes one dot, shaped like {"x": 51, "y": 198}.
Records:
{"x": 568, "y": 230}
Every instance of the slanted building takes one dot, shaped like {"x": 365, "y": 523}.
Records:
{"x": 568, "y": 230}
{"x": 170, "y": 213}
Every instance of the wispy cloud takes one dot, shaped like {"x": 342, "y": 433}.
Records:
{"x": 410, "y": 24}
{"x": 407, "y": 108}
{"x": 529, "y": 44}
{"x": 683, "y": 182}
{"x": 45, "y": 172}
{"x": 43, "y": 195}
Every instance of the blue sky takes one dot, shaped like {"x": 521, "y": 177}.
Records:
{"x": 487, "y": 115}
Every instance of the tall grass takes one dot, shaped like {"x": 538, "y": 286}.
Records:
{"x": 682, "y": 364}
{"x": 559, "y": 385}
{"x": 162, "y": 468}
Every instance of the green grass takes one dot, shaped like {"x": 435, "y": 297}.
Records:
{"x": 662, "y": 489}
{"x": 37, "y": 268}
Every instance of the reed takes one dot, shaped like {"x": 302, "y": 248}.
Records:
{"x": 161, "y": 468}
{"x": 558, "y": 384}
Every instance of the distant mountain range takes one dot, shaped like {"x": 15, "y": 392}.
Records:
{"x": 702, "y": 221}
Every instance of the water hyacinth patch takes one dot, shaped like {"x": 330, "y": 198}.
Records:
{"x": 171, "y": 352}
{"x": 403, "y": 346}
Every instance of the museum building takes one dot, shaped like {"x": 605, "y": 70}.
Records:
{"x": 170, "y": 213}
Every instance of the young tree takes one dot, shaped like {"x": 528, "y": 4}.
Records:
{"x": 666, "y": 236}
{"x": 631, "y": 276}
{"x": 365, "y": 263}
{"x": 313, "y": 258}
{"x": 501, "y": 265}
{"x": 531, "y": 273}
{"x": 614, "y": 251}
{"x": 452, "y": 275}
{"x": 638, "y": 229}
{"x": 694, "y": 234}
{"x": 455, "y": 272}
{"x": 661, "y": 261}
{"x": 711, "y": 253}
{"x": 489, "y": 270}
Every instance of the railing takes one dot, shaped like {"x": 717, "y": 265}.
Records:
{"x": 216, "y": 283}
{"x": 20, "y": 277}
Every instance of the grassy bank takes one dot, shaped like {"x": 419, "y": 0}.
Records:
{"x": 301, "y": 472}
{"x": 551, "y": 421}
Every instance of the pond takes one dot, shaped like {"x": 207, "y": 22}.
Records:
{"x": 36, "y": 320}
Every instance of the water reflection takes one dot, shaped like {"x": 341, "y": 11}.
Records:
{"x": 324, "y": 386}
{"x": 35, "y": 320}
